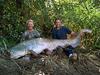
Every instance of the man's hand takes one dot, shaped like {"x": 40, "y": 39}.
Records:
{"x": 72, "y": 35}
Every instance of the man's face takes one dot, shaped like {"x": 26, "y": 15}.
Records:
{"x": 30, "y": 25}
{"x": 58, "y": 23}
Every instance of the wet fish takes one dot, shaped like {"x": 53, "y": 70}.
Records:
{"x": 40, "y": 44}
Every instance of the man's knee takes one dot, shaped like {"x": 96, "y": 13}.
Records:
{"x": 69, "y": 51}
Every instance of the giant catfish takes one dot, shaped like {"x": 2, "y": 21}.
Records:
{"x": 39, "y": 44}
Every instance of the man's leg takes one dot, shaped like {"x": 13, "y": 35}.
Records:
{"x": 32, "y": 54}
{"x": 69, "y": 51}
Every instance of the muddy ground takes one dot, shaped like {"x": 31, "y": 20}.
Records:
{"x": 57, "y": 64}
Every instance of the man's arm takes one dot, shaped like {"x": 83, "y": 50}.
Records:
{"x": 73, "y": 35}
{"x": 23, "y": 36}
{"x": 69, "y": 33}
{"x": 37, "y": 34}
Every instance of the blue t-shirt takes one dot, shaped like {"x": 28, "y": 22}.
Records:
{"x": 60, "y": 33}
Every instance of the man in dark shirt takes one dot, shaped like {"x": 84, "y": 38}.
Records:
{"x": 61, "y": 32}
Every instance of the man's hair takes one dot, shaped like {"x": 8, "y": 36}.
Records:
{"x": 57, "y": 19}
{"x": 30, "y": 20}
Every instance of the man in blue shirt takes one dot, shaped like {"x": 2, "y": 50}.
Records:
{"x": 61, "y": 32}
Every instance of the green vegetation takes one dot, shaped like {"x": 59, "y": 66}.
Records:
{"x": 75, "y": 14}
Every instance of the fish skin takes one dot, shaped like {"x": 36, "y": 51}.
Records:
{"x": 40, "y": 44}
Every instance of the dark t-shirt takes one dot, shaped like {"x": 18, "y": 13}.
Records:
{"x": 60, "y": 33}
